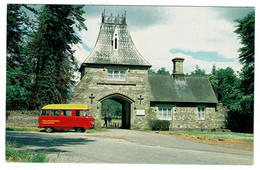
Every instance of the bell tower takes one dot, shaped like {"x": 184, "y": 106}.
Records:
{"x": 115, "y": 70}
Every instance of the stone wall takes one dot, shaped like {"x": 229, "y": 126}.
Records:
{"x": 94, "y": 82}
{"x": 22, "y": 118}
{"x": 185, "y": 117}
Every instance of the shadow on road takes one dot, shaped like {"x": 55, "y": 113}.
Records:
{"x": 45, "y": 142}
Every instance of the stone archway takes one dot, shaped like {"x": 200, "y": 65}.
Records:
{"x": 127, "y": 108}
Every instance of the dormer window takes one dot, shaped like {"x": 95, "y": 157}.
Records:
{"x": 115, "y": 43}
{"x": 115, "y": 39}
{"x": 116, "y": 75}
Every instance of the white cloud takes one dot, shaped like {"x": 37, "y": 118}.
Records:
{"x": 80, "y": 53}
{"x": 187, "y": 28}
{"x": 89, "y": 37}
{"x": 190, "y": 29}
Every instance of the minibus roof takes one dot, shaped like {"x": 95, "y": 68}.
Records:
{"x": 67, "y": 106}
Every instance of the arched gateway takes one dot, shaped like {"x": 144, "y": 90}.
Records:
{"x": 127, "y": 107}
{"x": 115, "y": 70}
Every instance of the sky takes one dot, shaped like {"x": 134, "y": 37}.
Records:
{"x": 203, "y": 36}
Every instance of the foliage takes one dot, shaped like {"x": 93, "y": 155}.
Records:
{"x": 19, "y": 65}
{"x": 198, "y": 71}
{"x": 163, "y": 71}
{"x": 51, "y": 49}
{"x": 159, "y": 71}
{"x": 25, "y": 155}
{"x": 151, "y": 71}
{"x": 111, "y": 107}
{"x": 40, "y": 61}
{"x": 246, "y": 31}
{"x": 159, "y": 125}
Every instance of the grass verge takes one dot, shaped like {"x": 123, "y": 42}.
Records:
{"x": 36, "y": 129}
{"x": 27, "y": 129}
{"x": 230, "y": 136}
{"x": 25, "y": 155}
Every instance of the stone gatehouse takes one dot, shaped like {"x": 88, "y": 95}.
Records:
{"x": 116, "y": 70}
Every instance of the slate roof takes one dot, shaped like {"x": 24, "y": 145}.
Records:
{"x": 194, "y": 89}
{"x": 104, "y": 51}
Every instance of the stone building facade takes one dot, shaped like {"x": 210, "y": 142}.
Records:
{"x": 116, "y": 70}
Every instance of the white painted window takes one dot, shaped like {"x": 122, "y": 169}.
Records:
{"x": 165, "y": 114}
{"x": 116, "y": 75}
{"x": 201, "y": 113}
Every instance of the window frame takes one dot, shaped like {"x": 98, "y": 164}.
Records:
{"x": 165, "y": 113}
{"x": 116, "y": 75}
{"x": 201, "y": 115}
{"x": 54, "y": 110}
{"x": 62, "y": 112}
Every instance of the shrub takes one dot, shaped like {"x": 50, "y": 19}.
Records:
{"x": 159, "y": 125}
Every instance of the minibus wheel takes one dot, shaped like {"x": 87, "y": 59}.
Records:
{"x": 48, "y": 129}
{"x": 78, "y": 129}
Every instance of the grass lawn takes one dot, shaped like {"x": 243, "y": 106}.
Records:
{"x": 36, "y": 129}
{"x": 27, "y": 129}
{"x": 233, "y": 136}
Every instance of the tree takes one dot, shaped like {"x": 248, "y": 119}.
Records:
{"x": 151, "y": 71}
{"x": 163, "y": 71}
{"x": 198, "y": 71}
{"x": 241, "y": 114}
{"x": 19, "y": 65}
{"x": 51, "y": 50}
{"x": 246, "y": 31}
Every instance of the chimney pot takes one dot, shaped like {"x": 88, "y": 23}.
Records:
{"x": 178, "y": 68}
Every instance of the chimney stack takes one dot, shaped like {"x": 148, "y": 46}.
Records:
{"x": 178, "y": 68}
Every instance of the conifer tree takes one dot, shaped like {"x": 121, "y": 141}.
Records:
{"x": 18, "y": 64}
{"x": 51, "y": 50}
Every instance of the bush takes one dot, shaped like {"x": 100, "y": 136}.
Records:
{"x": 238, "y": 121}
{"x": 159, "y": 125}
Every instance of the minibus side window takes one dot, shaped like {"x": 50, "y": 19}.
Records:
{"x": 45, "y": 113}
{"x": 54, "y": 112}
{"x": 88, "y": 113}
{"x": 80, "y": 112}
{"x": 66, "y": 112}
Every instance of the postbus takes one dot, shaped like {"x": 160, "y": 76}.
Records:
{"x": 66, "y": 116}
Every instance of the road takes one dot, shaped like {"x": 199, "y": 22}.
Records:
{"x": 127, "y": 146}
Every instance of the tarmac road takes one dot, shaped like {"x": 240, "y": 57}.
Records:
{"x": 127, "y": 146}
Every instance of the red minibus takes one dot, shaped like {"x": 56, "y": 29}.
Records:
{"x": 66, "y": 116}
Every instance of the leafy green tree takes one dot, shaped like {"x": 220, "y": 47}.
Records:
{"x": 163, "y": 71}
{"x": 227, "y": 88}
{"x": 51, "y": 50}
{"x": 111, "y": 107}
{"x": 151, "y": 71}
{"x": 241, "y": 115}
{"x": 198, "y": 71}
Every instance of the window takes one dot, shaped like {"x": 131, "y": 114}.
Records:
{"x": 201, "y": 113}
{"x": 116, "y": 75}
{"x": 80, "y": 112}
{"x": 45, "y": 113}
{"x": 165, "y": 114}
{"x": 54, "y": 112}
{"x": 115, "y": 43}
{"x": 66, "y": 113}
{"x": 83, "y": 113}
